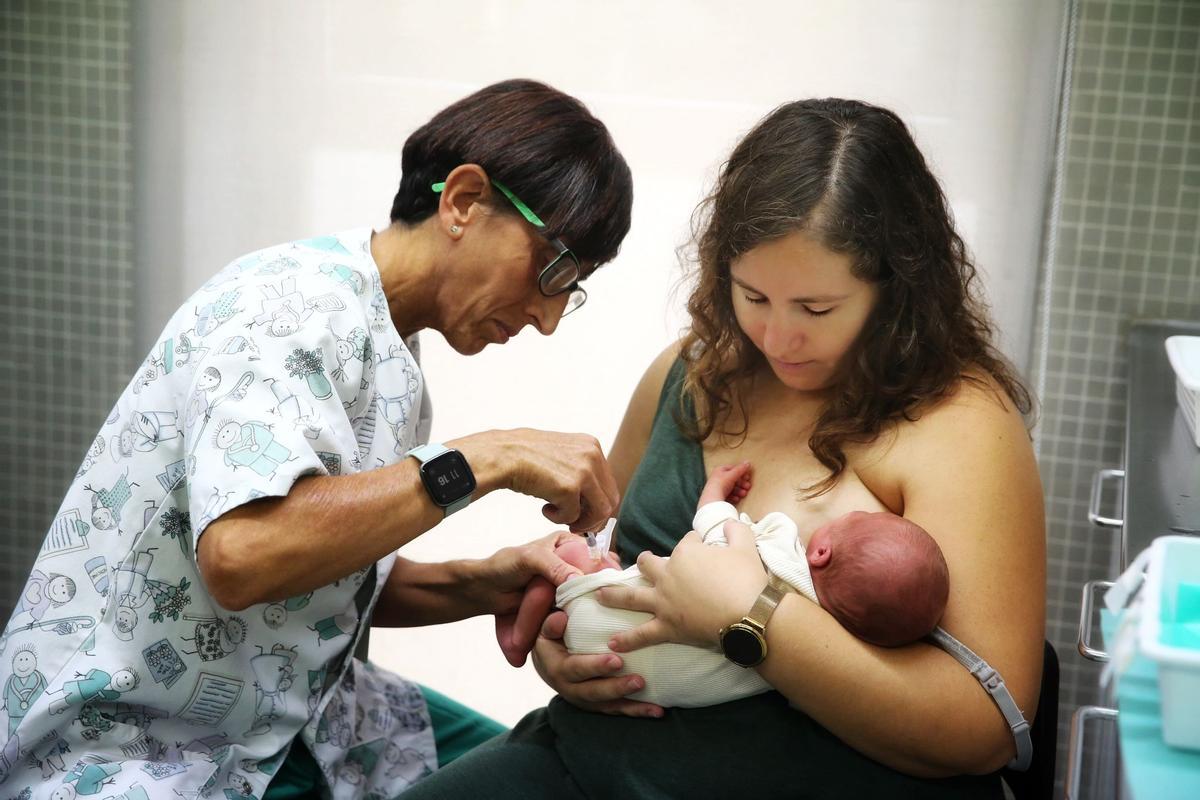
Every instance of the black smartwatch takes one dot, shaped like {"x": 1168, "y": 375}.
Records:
{"x": 446, "y": 475}
{"x": 745, "y": 641}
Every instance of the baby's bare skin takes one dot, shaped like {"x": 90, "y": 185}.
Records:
{"x": 516, "y": 633}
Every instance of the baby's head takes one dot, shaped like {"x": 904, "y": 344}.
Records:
{"x": 575, "y": 553}
{"x": 881, "y": 576}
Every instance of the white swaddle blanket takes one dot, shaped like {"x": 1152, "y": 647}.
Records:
{"x": 680, "y": 675}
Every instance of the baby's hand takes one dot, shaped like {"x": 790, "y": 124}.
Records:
{"x": 729, "y": 483}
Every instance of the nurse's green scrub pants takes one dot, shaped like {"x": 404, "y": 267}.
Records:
{"x": 456, "y": 729}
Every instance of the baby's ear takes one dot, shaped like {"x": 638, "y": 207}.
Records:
{"x": 820, "y": 554}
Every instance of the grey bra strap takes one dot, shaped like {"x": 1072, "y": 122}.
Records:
{"x": 994, "y": 684}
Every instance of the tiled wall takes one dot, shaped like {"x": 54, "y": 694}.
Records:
{"x": 1125, "y": 247}
{"x": 66, "y": 308}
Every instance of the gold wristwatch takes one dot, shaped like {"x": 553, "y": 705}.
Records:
{"x": 745, "y": 641}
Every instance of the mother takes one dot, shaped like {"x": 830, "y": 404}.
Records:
{"x": 837, "y": 344}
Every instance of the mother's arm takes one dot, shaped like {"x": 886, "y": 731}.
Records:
{"x": 970, "y": 479}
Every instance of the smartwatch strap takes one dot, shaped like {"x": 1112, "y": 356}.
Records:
{"x": 428, "y": 452}
{"x": 760, "y": 613}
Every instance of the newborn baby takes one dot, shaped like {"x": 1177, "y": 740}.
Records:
{"x": 881, "y": 576}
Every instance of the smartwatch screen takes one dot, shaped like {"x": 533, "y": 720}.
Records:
{"x": 741, "y": 646}
{"x": 448, "y": 478}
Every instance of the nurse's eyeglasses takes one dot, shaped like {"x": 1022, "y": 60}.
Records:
{"x": 562, "y": 273}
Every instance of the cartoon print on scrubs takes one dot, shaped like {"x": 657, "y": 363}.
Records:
{"x": 163, "y": 661}
{"x": 361, "y": 761}
{"x": 167, "y": 355}
{"x": 216, "y": 638}
{"x": 333, "y": 627}
{"x": 356, "y": 347}
{"x": 177, "y": 525}
{"x": 402, "y": 373}
{"x": 48, "y": 757}
{"x": 215, "y": 313}
{"x": 93, "y": 454}
{"x": 107, "y": 503}
{"x": 310, "y": 365}
{"x": 135, "y": 587}
{"x": 278, "y": 266}
{"x": 236, "y": 393}
{"x": 143, "y": 431}
{"x": 240, "y": 344}
{"x": 404, "y": 762}
{"x": 96, "y": 684}
{"x": 215, "y": 507}
{"x": 344, "y": 275}
{"x": 23, "y": 686}
{"x": 292, "y": 408}
{"x": 252, "y": 444}
{"x": 379, "y": 310}
{"x": 283, "y": 309}
{"x": 200, "y": 404}
{"x": 273, "y": 676}
{"x": 87, "y": 776}
{"x": 43, "y": 592}
{"x": 137, "y": 683}
{"x": 135, "y": 792}
{"x": 276, "y": 614}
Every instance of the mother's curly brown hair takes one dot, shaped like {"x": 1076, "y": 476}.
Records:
{"x": 849, "y": 174}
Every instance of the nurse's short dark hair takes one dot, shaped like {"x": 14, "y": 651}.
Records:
{"x": 544, "y": 146}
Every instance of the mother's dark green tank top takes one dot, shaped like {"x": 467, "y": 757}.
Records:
{"x": 757, "y": 747}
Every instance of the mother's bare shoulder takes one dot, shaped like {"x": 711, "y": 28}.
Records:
{"x": 974, "y": 418}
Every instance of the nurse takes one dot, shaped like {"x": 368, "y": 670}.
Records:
{"x": 288, "y": 527}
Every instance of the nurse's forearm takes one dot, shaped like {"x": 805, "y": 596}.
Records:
{"x": 418, "y": 593}
{"x": 912, "y": 708}
{"x": 326, "y": 528}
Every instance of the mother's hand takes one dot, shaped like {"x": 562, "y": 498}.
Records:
{"x": 697, "y": 591}
{"x": 587, "y": 681}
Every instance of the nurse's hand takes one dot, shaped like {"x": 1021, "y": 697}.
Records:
{"x": 496, "y": 584}
{"x": 567, "y": 470}
{"x": 688, "y": 604}
{"x": 589, "y": 682}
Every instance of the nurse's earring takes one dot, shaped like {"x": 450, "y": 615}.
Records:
{"x": 455, "y": 229}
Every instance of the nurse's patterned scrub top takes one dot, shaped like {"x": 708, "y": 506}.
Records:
{"x": 121, "y": 676}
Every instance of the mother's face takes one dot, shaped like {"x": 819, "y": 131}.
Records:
{"x": 492, "y": 292}
{"x": 801, "y": 306}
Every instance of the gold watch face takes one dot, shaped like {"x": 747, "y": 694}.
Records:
{"x": 743, "y": 645}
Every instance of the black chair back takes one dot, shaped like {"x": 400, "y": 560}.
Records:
{"x": 1037, "y": 783}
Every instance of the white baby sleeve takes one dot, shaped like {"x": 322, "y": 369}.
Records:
{"x": 775, "y": 535}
